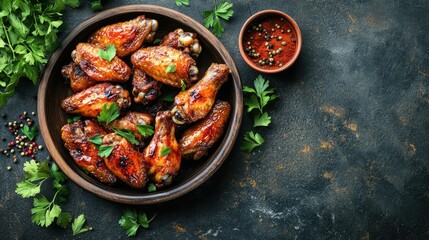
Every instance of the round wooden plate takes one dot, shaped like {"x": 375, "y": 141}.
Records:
{"x": 52, "y": 90}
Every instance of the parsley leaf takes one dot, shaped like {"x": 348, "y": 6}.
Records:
{"x": 131, "y": 220}
{"x": 29, "y": 132}
{"x": 78, "y": 225}
{"x": 145, "y": 130}
{"x": 151, "y": 187}
{"x": 251, "y": 140}
{"x": 97, "y": 140}
{"x": 96, "y": 5}
{"x": 105, "y": 150}
{"x": 182, "y": 3}
{"x": 74, "y": 119}
{"x": 165, "y": 151}
{"x": 170, "y": 68}
{"x": 108, "y": 113}
{"x": 212, "y": 17}
{"x": 183, "y": 85}
{"x": 156, "y": 41}
{"x": 63, "y": 219}
{"x": 261, "y": 120}
{"x": 129, "y": 135}
{"x": 109, "y": 53}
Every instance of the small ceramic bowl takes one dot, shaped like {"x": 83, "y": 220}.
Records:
{"x": 270, "y": 41}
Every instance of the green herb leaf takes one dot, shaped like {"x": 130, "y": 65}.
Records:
{"x": 74, "y": 119}
{"x": 105, "y": 150}
{"x": 78, "y": 225}
{"x": 131, "y": 220}
{"x": 151, "y": 187}
{"x": 165, "y": 151}
{"x": 212, "y": 18}
{"x": 109, "y": 113}
{"x": 29, "y": 132}
{"x": 129, "y": 135}
{"x": 251, "y": 140}
{"x": 183, "y": 85}
{"x": 97, "y": 140}
{"x": 261, "y": 120}
{"x": 168, "y": 98}
{"x": 96, "y": 5}
{"x": 109, "y": 53}
{"x": 27, "y": 189}
{"x": 156, "y": 41}
{"x": 145, "y": 130}
{"x": 170, "y": 68}
{"x": 182, "y": 3}
{"x": 64, "y": 219}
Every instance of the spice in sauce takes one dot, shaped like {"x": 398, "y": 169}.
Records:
{"x": 270, "y": 43}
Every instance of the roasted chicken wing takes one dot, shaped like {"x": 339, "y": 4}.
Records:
{"x": 131, "y": 121}
{"x": 87, "y": 57}
{"x": 126, "y": 36}
{"x": 184, "y": 41}
{"x": 166, "y": 64}
{"x": 124, "y": 161}
{"x": 77, "y": 78}
{"x": 90, "y": 101}
{"x": 196, "y": 140}
{"x": 196, "y": 102}
{"x": 84, "y": 153}
{"x": 145, "y": 88}
{"x": 163, "y": 154}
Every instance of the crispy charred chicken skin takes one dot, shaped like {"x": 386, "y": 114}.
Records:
{"x": 126, "y": 36}
{"x": 125, "y": 162}
{"x": 163, "y": 154}
{"x": 184, "y": 41}
{"x": 130, "y": 122}
{"x": 145, "y": 88}
{"x": 166, "y": 64}
{"x": 196, "y": 102}
{"x": 84, "y": 153}
{"x": 77, "y": 78}
{"x": 195, "y": 141}
{"x": 90, "y": 101}
{"x": 87, "y": 57}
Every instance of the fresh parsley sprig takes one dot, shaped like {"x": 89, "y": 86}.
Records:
{"x": 129, "y": 135}
{"x": 165, "y": 151}
{"x": 74, "y": 119}
{"x": 250, "y": 141}
{"x": 212, "y": 17}
{"x": 108, "y": 113}
{"x": 131, "y": 220}
{"x": 28, "y": 35}
{"x": 96, "y": 5}
{"x": 29, "y": 132}
{"x": 180, "y": 3}
{"x": 78, "y": 225}
{"x": 145, "y": 130}
{"x": 171, "y": 68}
{"x": 109, "y": 53}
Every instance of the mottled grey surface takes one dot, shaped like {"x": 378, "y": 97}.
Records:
{"x": 345, "y": 156}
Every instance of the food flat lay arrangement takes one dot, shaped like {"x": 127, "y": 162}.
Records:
{"x": 185, "y": 119}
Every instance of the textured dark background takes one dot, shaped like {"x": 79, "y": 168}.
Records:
{"x": 345, "y": 156}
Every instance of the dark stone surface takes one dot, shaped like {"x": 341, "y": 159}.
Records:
{"x": 345, "y": 156}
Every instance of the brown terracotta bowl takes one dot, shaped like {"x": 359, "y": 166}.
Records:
{"x": 53, "y": 90}
{"x": 265, "y": 40}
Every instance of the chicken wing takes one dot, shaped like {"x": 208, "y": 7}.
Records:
{"x": 90, "y": 101}
{"x": 166, "y": 64}
{"x": 126, "y": 36}
{"x": 84, "y": 153}
{"x": 196, "y": 102}
{"x": 163, "y": 154}
{"x": 184, "y": 41}
{"x": 87, "y": 57}
{"x": 145, "y": 88}
{"x": 124, "y": 161}
{"x": 131, "y": 121}
{"x": 196, "y": 140}
{"x": 76, "y": 77}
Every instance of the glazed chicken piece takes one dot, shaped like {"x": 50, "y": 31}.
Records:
{"x": 184, "y": 41}
{"x": 84, "y": 153}
{"x": 126, "y": 36}
{"x": 130, "y": 122}
{"x": 166, "y": 64}
{"x": 163, "y": 155}
{"x": 145, "y": 88}
{"x": 196, "y": 102}
{"x": 90, "y": 101}
{"x": 125, "y": 162}
{"x": 87, "y": 56}
{"x": 196, "y": 140}
{"x": 76, "y": 77}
